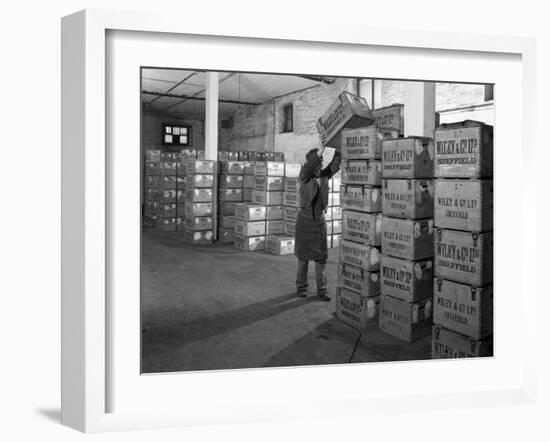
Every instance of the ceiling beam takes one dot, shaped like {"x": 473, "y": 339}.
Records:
{"x": 189, "y": 97}
{"x": 198, "y": 93}
{"x": 175, "y": 86}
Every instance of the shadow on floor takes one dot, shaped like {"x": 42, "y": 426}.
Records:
{"x": 165, "y": 335}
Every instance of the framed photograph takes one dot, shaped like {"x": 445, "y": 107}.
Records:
{"x": 172, "y": 319}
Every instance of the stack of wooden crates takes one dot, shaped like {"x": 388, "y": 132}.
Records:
{"x": 230, "y": 192}
{"x": 407, "y": 237}
{"x": 358, "y": 278}
{"x": 170, "y": 219}
{"x": 348, "y": 126}
{"x": 463, "y": 284}
{"x": 200, "y": 198}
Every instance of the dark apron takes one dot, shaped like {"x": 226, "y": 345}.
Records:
{"x": 311, "y": 236}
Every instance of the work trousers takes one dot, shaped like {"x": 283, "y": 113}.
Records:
{"x": 320, "y": 276}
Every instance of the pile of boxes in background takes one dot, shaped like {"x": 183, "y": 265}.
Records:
{"x": 230, "y": 192}
{"x": 151, "y": 188}
{"x": 406, "y": 267}
{"x": 169, "y": 218}
{"x": 463, "y": 284}
{"x": 199, "y": 219}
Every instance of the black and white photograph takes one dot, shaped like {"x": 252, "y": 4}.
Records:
{"x": 302, "y": 220}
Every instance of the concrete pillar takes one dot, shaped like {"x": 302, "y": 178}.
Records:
{"x": 419, "y": 109}
{"x": 211, "y": 117}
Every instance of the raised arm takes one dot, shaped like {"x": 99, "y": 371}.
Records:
{"x": 308, "y": 168}
{"x": 334, "y": 165}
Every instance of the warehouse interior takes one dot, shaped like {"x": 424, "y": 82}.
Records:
{"x": 211, "y": 305}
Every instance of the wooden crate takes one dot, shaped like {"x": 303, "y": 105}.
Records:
{"x": 292, "y": 170}
{"x": 290, "y": 227}
{"x": 180, "y": 196}
{"x": 356, "y": 310}
{"x": 391, "y": 117}
{"x": 290, "y": 213}
{"x": 168, "y": 210}
{"x": 247, "y": 195}
{"x": 269, "y": 168}
{"x": 274, "y": 227}
{"x": 412, "y": 199}
{"x": 358, "y": 280}
{"x": 202, "y": 167}
{"x": 250, "y": 212}
{"x": 407, "y": 280}
{"x": 360, "y": 198}
{"x": 249, "y": 243}
{"x": 362, "y": 172}
{"x": 347, "y": 111}
{"x": 167, "y": 182}
{"x": 226, "y": 235}
{"x": 291, "y": 199}
{"x": 152, "y": 155}
{"x": 267, "y": 198}
{"x": 168, "y": 167}
{"x": 280, "y": 244}
{"x": 364, "y": 228}
{"x": 464, "y": 257}
{"x": 404, "y": 320}
{"x": 227, "y": 222}
{"x": 199, "y": 194}
{"x": 408, "y": 239}
{"x": 227, "y": 208}
{"x": 411, "y": 157}
{"x": 249, "y": 228}
{"x": 249, "y": 181}
{"x": 230, "y": 181}
{"x": 194, "y": 223}
{"x": 274, "y": 212}
{"x": 232, "y": 167}
{"x": 198, "y": 209}
{"x": 268, "y": 183}
{"x": 464, "y": 205}
{"x": 248, "y": 167}
{"x": 168, "y": 196}
{"x": 167, "y": 223}
{"x": 291, "y": 184}
{"x": 447, "y": 344}
{"x": 464, "y": 150}
{"x": 199, "y": 237}
{"x": 361, "y": 144}
{"x": 152, "y": 168}
{"x": 199, "y": 180}
{"x": 231, "y": 195}
{"x": 360, "y": 255}
{"x": 463, "y": 309}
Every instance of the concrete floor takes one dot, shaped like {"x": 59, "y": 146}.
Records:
{"x": 215, "y": 307}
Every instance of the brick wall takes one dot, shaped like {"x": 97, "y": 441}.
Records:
{"x": 260, "y": 127}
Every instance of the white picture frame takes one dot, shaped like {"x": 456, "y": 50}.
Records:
{"x": 87, "y": 217}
